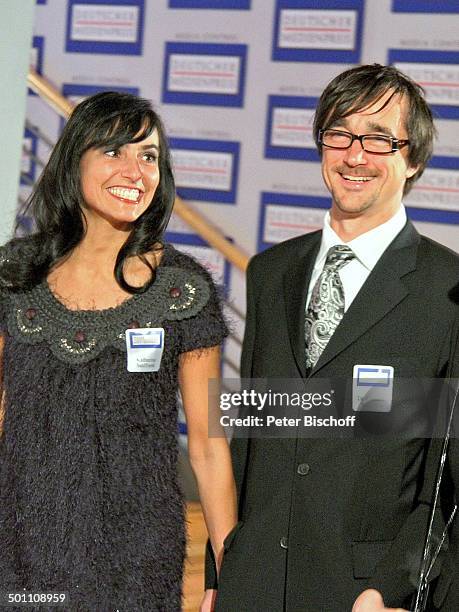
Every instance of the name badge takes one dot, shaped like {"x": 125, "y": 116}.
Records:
{"x": 372, "y": 388}
{"x": 144, "y": 349}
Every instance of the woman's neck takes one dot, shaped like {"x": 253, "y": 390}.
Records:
{"x": 100, "y": 244}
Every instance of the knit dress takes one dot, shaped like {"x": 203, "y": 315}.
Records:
{"x": 89, "y": 499}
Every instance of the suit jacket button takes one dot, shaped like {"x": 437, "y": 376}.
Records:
{"x": 283, "y": 542}
{"x": 303, "y": 469}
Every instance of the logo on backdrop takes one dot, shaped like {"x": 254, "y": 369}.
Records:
{"x": 435, "y": 197}
{"x": 210, "y": 4}
{"x": 29, "y": 153}
{"x": 285, "y": 215}
{"x": 76, "y": 93}
{"x": 438, "y": 190}
{"x": 289, "y": 128}
{"x": 305, "y": 33}
{"x": 36, "y": 56}
{"x": 426, "y": 6}
{"x": 206, "y": 169}
{"x": 105, "y": 26}
{"x": 437, "y": 72}
{"x": 201, "y": 73}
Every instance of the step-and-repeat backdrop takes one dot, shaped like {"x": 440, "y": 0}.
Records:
{"x": 236, "y": 82}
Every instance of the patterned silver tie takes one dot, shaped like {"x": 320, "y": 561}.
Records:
{"x": 326, "y": 307}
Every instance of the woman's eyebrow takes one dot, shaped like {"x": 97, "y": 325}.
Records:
{"x": 149, "y": 146}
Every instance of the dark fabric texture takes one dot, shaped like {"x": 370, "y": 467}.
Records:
{"x": 357, "y": 518}
{"x": 446, "y": 595}
{"x": 89, "y": 498}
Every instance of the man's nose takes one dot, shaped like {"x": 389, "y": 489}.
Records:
{"x": 355, "y": 154}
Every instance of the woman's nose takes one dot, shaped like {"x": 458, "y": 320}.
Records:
{"x": 131, "y": 169}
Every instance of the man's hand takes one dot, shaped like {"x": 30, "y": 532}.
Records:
{"x": 208, "y": 601}
{"x": 371, "y": 601}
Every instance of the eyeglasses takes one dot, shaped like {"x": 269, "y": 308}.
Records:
{"x": 372, "y": 143}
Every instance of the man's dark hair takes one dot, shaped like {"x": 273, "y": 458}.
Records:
{"x": 358, "y": 88}
{"x": 109, "y": 120}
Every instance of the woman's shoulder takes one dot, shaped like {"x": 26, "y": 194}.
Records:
{"x": 20, "y": 247}
{"x": 196, "y": 293}
{"x": 17, "y": 258}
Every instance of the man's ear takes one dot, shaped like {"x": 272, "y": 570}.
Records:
{"x": 411, "y": 171}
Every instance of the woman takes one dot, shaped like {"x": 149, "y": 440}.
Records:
{"x": 89, "y": 499}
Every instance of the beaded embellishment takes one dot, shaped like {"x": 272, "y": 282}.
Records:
{"x": 77, "y": 336}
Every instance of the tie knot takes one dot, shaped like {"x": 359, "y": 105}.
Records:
{"x": 338, "y": 256}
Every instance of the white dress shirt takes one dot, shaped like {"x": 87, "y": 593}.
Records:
{"x": 367, "y": 249}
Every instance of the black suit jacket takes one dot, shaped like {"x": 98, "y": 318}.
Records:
{"x": 313, "y": 541}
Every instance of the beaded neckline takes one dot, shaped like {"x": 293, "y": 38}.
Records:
{"x": 77, "y": 336}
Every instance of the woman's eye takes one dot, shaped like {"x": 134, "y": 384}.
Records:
{"x": 112, "y": 153}
{"x": 150, "y": 158}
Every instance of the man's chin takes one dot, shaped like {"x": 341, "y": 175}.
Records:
{"x": 350, "y": 209}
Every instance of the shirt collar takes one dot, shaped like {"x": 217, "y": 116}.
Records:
{"x": 367, "y": 247}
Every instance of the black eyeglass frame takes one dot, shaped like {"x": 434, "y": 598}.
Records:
{"x": 396, "y": 143}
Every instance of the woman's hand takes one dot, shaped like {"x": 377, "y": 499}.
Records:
{"x": 208, "y": 601}
{"x": 371, "y": 601}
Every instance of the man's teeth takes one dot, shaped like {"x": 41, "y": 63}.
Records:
{"x": 126, "y": 194}
{"x": 356, "y": 178}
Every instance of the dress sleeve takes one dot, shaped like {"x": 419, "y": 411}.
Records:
{"x": 208, "y": 327}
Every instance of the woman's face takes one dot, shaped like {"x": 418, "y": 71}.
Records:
{"x": 119, "y": 184}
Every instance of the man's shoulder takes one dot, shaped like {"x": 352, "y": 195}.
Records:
{"x": 282, "y": 254}
{"x": 438, "y": 254}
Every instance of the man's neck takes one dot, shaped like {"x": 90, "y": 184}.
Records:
{"x": 348, "y": 228}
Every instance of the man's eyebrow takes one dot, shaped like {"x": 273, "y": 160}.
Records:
{"x": 372, "y": 127}
{"x": 377, "y": 127}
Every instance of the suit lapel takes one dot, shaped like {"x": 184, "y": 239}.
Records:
{"x": 381, "y": 292}
{"x": 296, "y": 283}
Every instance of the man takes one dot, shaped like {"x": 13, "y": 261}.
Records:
{"x": 322, "y": 520}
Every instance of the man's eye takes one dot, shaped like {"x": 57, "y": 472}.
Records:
{"x": 112, "y": 153}
{"x": 379, "y": 138}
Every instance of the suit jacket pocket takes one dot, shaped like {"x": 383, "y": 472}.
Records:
{"x": 367, "y": 555}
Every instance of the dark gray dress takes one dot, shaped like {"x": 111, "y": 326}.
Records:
{"x": 89, "y": 499}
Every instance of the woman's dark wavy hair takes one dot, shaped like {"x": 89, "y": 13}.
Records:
{"x": 109, "y": 120}
{"x": 358, "y": 88}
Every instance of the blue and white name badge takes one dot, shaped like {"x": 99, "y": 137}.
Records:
{"x": 144, "y": 349}
{"x": 372, "y": 388}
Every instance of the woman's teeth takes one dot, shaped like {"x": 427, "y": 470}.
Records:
{"x": 127, "y": 194}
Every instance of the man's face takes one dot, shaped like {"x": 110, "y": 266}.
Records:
{"x": 368, "y": 185}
